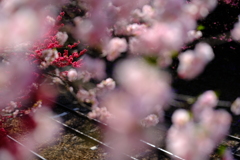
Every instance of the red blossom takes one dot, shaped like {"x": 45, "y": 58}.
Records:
{"x": 3, "y": 133}
{"x": 74, "y": 45}
{"x": 77, "y": 64}
{"x": 50, "y": 42}
{"x": 3, "y": 137}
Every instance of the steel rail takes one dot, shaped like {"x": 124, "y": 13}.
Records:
{"x": 19, "y": 143}
{"x": 91, "y": 138}
{"x": 177, "y": 97}
{"x": 190, "y": 99}
{"x": 104, "y": 124}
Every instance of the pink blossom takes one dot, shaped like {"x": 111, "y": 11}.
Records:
{"x": 85, "y": 76}
{"x": 100, "y": 113}
{"x": 235, "y": 33}
{"x": 199, "y": 9}
{"x": 204, "y": 51}
{"x": 88, "y": 96}
{"x": 28, "y": 16}
{"x": 72, "y": 75}
{"x": 228, "y": 155}
{"x": 192, "y": 63}
{"x": 41, "y": 129}
{"x": 120, "y": 27}
{"x": 161, "y": 36}
{"x": 105, "y": 86}
{"x": 198, "y": 138}
{"x": 150, "y": 120}
{"x": 94, "y": 29}
{"x": 132, "y": 74}
{"x": 10, "y": 74}
{"x": 180, "y": 118}
{"x": 168, "y": 10}
{"x": 5, "y": 154}
{"x": 147, "y": 14}
{"x": 207, "y": 100}
{"x": 164, "y": 59}
{"x": 216, "y": 124}
{"x": 28, "y": 26}
{"x": 96, "y": 71}
{"x": 45, "y": 128}
{"x": 114, "y": 48}
{"x": 136, "y": 29}
{"x": 125, "y": 121}
{"x": 11, "y": 5}
{"x": 189, "y": 66}
{"x": 119, "y": 104}
{"x": 127, "y": 6}
{"x": 192, "y": 35}
{"x": 235, "y": 107}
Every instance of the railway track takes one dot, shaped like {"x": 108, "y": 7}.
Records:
{"x": 68, "y": 111}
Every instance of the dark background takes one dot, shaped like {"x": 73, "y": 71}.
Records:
{"x": 223, "y": 73}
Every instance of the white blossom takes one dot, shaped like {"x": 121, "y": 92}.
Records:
{"x": 62, "y": 37}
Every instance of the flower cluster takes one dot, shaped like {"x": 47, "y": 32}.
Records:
{"x": 45, "y": 50}
{"x": 21, "y": 84}
{"x": 192, "y": 63}
{"x": 155, "y": 30}
{"x": 199, "y": 133}
{"x": 122, "y": 77}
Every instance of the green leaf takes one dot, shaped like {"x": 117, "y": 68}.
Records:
{"x": 175, "y": 54}
{"x": 200, "y": 28}
{"x": 222, "y": 149}
{"x": 151, "y": 60}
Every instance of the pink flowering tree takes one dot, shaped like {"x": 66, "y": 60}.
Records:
{"x": 141, "y": 38}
